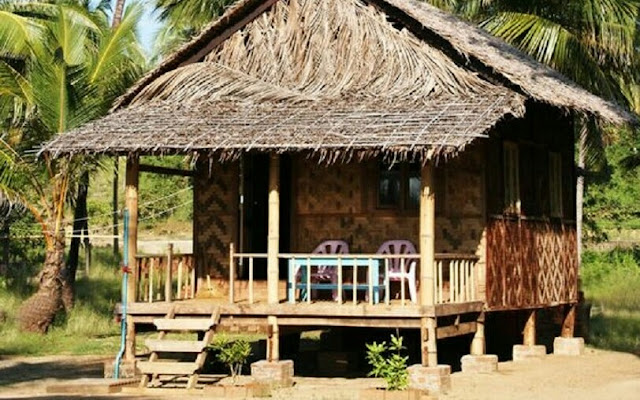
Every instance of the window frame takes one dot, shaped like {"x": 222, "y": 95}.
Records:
{"x": 405, "y": 172}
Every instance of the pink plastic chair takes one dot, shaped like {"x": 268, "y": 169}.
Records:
{"x": 395, "y": 264}
{"x": 325, "y": 273}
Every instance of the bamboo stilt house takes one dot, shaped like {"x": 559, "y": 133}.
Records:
{"x": 362, "y": 121}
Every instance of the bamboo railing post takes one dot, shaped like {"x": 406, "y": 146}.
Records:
{"x": 192, "y": 273}
{"x": 251, "y": 280}
{"x": 339, "y": 279}
{"x": 370, "y": 281}
{"x": 232, "y": 273}
{"x": 151, "y": 265}
{"x": 168, "y": 284}
{"x": 308, "y": 280}
{"x": 273, "y": 237}
{"x": 427, "y": 235}
{"x": 131, "y": 204}
{"x": 440, "y": 284}
{"x": 355, "y": 284}
{"x": 402, "y": 284}
{"x": 180, "y": 295}
{"x": 387, "y": 286}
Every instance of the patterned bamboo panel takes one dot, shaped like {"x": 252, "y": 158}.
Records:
{"x": 215, "y": 217}
{"x": 530, "y": 263}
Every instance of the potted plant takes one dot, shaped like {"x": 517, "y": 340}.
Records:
{"x": 388, "y": 362}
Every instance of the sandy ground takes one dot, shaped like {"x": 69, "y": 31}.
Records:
{"x": 596, "y": 375}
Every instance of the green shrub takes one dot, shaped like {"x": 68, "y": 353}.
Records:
{"x": 388, "y": 363}
{"x": 232, "y": 354}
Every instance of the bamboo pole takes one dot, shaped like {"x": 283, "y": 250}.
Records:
{"x": 427, "y": 235}
{"x": 168, "y": 277}
{"x": 251, "y": 280}
{"x": 232, "y": 273}
{"x": 131, "y": 200}
{"x": 273, "y": 237}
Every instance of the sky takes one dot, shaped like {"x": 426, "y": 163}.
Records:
{"x": 148, "y": 26}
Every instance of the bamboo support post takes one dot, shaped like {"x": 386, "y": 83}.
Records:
{"x": 273, "y": 339}
{"x": 168, "y": 277}
{"x": 131, "y": 204}
{"x": 427, "y": 235}
{"x": 529, "y": 333}
{"x": 150, "y": 288}
{"x": 273, "y": 237}
{"x": 428, "y": 347}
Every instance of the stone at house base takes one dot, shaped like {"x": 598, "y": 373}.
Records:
{"x": 430, "y": 379}
{"x": 479, "y": 364}
{"x": 127, "y": 369}
{"x": 90, "y": 386}
{"x": 382, "y": 394}
{"x": 273, "y": 373}
{"x": 568, "y": 346}
{"x": 529, "y": 353}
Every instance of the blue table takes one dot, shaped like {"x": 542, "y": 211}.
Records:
{"x": 303, "y": 262}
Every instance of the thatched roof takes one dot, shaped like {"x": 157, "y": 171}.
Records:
{"x": 329, "y": 76}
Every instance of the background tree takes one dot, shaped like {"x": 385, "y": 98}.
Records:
{"x": 66, "y": 70}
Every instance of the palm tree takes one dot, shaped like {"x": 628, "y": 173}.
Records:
{"x": 184, "y": 19}
{"x": 67, "y": 69}
{"x": 592, "y": 42}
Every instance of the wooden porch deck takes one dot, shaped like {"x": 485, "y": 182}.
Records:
{"x": 454, "y": 319}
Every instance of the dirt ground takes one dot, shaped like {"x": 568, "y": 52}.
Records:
{"x": 596, "y": 375}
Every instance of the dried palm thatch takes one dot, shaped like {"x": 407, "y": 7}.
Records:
{"x": 338, "y": 78}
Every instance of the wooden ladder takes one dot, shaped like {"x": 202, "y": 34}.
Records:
{"x": 153, "y": 368}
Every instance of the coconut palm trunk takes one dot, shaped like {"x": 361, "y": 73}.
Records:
{"x": 37, "y": 313}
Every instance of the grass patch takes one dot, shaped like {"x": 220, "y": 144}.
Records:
{"x": 88, "y": 329}
{"x": 610, "y": 281}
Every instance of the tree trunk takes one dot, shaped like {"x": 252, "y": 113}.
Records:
{"x": 37, "y": 313}
{"x": 116, "y": 247}
{"x": 80, "y": 224}
{"x": 117, "y": 13}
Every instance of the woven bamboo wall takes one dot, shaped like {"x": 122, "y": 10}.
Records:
{"x": 339, "y": 202}
{"x": 533, "y": 263}
{"x": 215, "y": 217}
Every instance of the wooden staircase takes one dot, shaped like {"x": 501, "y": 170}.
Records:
{"x": 155, "y": 367}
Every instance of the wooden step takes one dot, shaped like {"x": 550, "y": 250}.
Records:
{"x": 167, "y": 368}
{"x": 175, "y": 346}
{"x": 183, "y": 324}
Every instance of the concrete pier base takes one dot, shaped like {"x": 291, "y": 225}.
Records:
{"x": 529, "y": 353}
{"x": 273, "y": 373}
{"x": 430, "y": 379}
{"x": 479, "y": 364}
{"x": 568, "y": 346}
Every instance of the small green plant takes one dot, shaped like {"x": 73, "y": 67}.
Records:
{"x": 233, "y": 354}
{"x": 388, "y": 363}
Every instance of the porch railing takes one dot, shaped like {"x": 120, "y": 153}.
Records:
{"x": 158, "y": 282}
{"x": 454, "y": 280}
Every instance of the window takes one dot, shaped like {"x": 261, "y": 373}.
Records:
{"x": 511, "y": 164}
{"x": 399, "y": 186}
{"x": 555, "y": 184}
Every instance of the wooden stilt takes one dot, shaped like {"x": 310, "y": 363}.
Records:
{"x": 427, "y": 236}
{"x": 274, "y": 229}
{"x": 273, "y": 340}
{"x": 529, "y": 333}
{"x": 432, "y": 343}
{"x": 568, "y": 324}
{"x": 478, "y": 344}
{"x": 131, "y": 200}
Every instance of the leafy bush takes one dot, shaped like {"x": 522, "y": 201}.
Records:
{"x": 233, "y": 354}
{"x": 388, "y": 363}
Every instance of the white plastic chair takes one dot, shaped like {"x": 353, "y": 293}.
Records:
{"x": 395, "y": 264}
